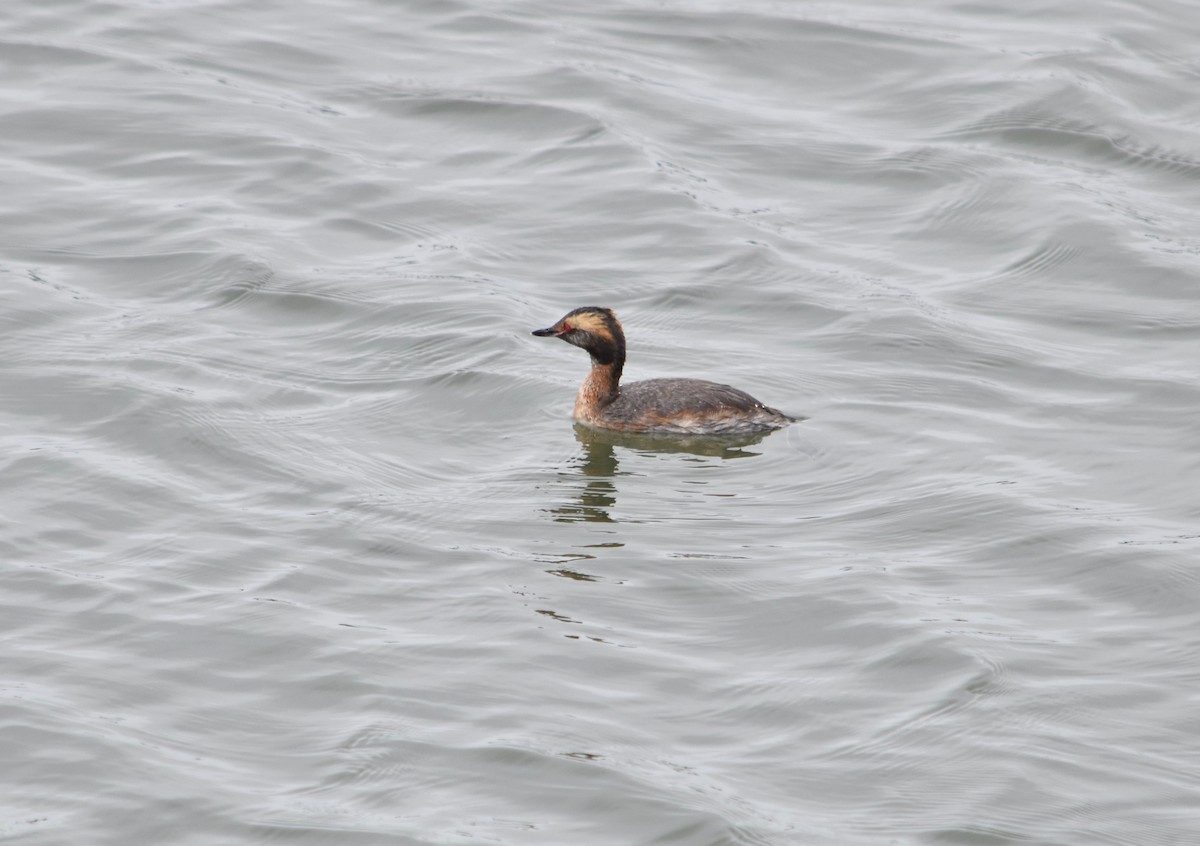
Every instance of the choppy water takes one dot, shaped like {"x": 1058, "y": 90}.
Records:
{"x": 299, "y": 542}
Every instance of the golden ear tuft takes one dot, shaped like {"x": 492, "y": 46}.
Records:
{"x": 592, "y": 322}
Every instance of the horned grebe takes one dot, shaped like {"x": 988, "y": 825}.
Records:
{"x": 677, "y": 406}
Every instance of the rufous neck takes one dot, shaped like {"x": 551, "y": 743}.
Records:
{"x": 597, "y": 391}
{"x": 603, "y": 381}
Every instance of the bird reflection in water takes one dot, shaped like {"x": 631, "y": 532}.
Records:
{"x": 595, "y": 493}
{"x": 599, "y": 466}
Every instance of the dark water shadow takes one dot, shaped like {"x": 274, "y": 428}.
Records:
{"x": 598, "y": 443}
{"x": 599, "y": 466}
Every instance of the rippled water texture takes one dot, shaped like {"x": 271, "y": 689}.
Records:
{"x": 301, "y": 546}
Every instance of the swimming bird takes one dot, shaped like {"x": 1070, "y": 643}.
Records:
{"x": 674, "y": 406}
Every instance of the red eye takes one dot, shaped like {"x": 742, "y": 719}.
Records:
{"x": 567, "y": 327}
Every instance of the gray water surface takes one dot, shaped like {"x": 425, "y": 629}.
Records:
{"x": 300, "y": 544}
